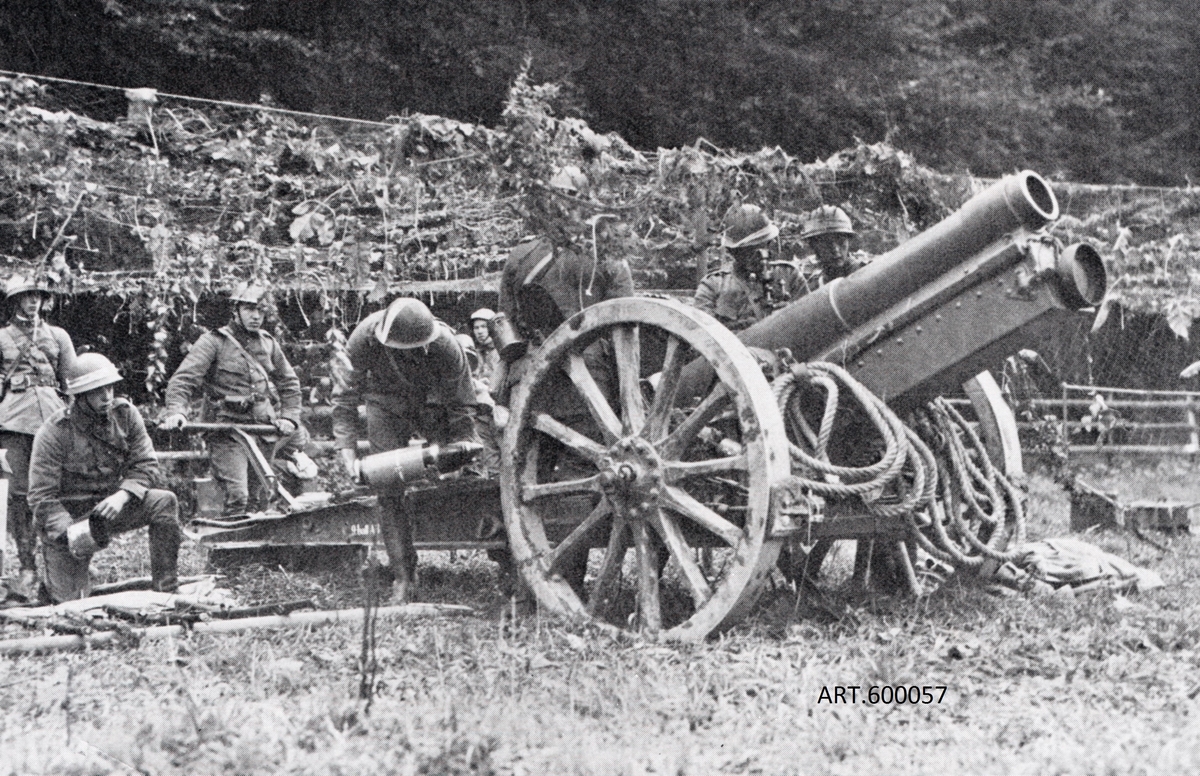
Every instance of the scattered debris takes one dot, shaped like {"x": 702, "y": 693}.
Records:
{"x": 1053, "y": 564}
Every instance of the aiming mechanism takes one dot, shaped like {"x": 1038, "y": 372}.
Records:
{"x": 698, "y": 455}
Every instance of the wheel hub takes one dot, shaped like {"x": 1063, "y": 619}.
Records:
{"x": 631, "y": 477}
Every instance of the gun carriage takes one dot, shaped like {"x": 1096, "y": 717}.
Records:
{"x": 701, "y": 454}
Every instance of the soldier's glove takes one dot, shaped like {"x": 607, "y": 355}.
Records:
{"x": 285, "y": 425}
{"x": 57, "y": 525}
{"x": 173, "y": 421}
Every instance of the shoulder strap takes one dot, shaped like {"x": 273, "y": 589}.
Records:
{"x": 19, "y": 359}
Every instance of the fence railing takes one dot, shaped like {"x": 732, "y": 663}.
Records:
{"x": 1091, "y": 419}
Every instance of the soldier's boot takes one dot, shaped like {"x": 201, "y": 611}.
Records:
{"x": 165, "y": 538}
{"x": 395, "y": 526}
{"x": 21, "y": 523}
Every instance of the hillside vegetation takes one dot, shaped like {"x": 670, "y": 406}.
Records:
{"x": 1085, "y": 90}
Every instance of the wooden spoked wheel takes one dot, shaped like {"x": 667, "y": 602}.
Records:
{"x": 997, "y": 424}
{"x": 623, "y": 508}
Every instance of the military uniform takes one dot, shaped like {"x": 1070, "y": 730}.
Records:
{"x": 541, "y": 286}
{"x": 35, "y": 356}
{"x": 739, "y": 302}
{"x": 812, "y": 275}
{"x": 246, "y": 379}
{"x": 489, "y": 363}
{"x": 79, "y": 459}
{"x": 425, "y": 390}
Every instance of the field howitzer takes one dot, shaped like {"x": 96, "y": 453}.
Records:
{"x": 644, "y": 425}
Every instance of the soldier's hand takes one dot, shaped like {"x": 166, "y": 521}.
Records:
{"x": 57, "y": 525}
{"x": 173, "y": 421}
{"x": 112, "y": 506}
{"x": 350, "y": 461}
{"x": 285, "y": 425}
{"x": 499, "y": 416}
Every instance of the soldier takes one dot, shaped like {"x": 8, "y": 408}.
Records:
{"x": 489, "y": 459}
{"x": 489, "y": 357}
{"x": 247, "y": 379}
{"x": 750, "y": 287}
{"x": 547, "y": 280}
{"x": 412, "y": 374}
{"x": 542, "y": 285}
{"x": 828, "y": 231}
{"x": 94, "y": 461}
{"x": 35, "y": 358}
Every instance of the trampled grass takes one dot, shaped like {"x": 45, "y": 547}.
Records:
{"x": 1100, "y": 684}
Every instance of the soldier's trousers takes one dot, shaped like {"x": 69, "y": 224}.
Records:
{"x": 388, "y": 430}
{"x": 67, "y": 576}
{"x": 231, "y": 464}
{"x": 20, "y": 519}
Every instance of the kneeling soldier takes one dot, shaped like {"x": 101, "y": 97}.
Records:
{"x": 94, "y": 461}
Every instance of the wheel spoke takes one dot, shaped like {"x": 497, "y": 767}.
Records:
{"x": 598, "y": 406}
{"x": 578, "y": 535}
{"x": 578, "y": 443}
{"x": 627, "y": 352}
{"x": 564, "y": 488}
{"x": 682, "y": 553}
{"x": 647, "y": 564}
{"x": 677, "y": 470}
{"x": 679, "y": 500}
{"x": 673, "y": 446}
{"x": 664, "y": 395}
{"x": 614, "y": 557}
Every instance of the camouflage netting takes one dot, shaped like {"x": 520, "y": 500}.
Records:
{"x": 161, "y": 210}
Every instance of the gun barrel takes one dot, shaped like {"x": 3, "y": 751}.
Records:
{"x": 1021, "y": 201}
{"x": 810, "y": 325}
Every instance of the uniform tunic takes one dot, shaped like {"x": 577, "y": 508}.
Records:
{"x": 225, "y": 370}
{"x": 80, "y": 458}
{"x": 32, "y": 388}
{"x": 739, "y": 302}
{"x": 813, "y": 275}
{"x": 401, "y": 382}
{"x": 543, "y": 285}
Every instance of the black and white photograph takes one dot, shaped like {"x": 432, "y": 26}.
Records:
{"x": 599, "y": 387}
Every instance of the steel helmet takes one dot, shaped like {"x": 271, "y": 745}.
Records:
{"x": 19, "y": 284}
{"x": 482, "y": 314}
{"x": 91, "y": 370}
{"x": 468, "y": 346}
{"x": 745, "y": 226}
{"x": 408, "y": 323}
{"x": 248, "y": 293}
{"x": 827, "y": 219}
{"x": 570, "y": 179}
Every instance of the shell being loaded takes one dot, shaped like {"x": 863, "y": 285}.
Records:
{"x": 1017, "y": 204}
{"x": 396, "y": 468}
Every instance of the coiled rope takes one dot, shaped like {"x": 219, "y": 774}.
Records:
{"x": 949, "y": 498}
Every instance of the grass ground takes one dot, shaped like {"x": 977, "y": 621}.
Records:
{"x": 1100, "y": 685}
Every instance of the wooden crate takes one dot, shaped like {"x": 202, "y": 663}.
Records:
{"x": 1090, "y": 507}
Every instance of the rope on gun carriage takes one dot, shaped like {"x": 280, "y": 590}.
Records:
{"x": 903, "y": 450}
{"x": 945, "y": 513}
{"x": 978, "y": 495}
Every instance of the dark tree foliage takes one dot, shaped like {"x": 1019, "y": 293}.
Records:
{"x": 1090, "y": 90}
